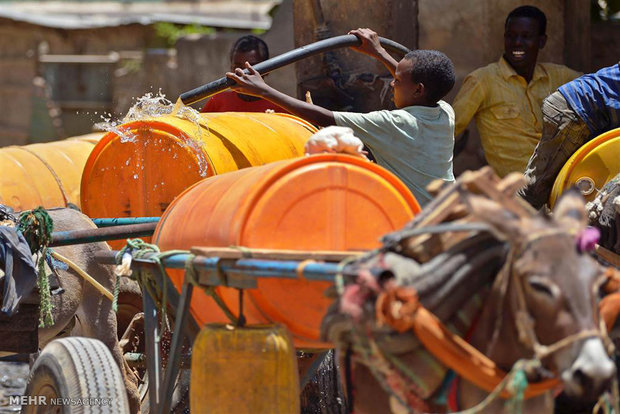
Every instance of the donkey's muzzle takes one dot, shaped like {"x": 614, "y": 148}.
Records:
{"x": 591, "y": 373}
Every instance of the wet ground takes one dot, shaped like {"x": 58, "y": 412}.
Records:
{"x": 13, "y": 377}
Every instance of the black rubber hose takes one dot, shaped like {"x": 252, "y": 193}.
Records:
{"x": 287, "y": 58}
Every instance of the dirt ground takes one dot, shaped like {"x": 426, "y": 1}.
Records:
{"x": 13, "y": 377}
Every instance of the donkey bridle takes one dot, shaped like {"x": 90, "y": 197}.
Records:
{"x": 524, "y": 320}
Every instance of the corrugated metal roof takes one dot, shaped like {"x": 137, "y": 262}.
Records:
{"x": 95, "y": 14}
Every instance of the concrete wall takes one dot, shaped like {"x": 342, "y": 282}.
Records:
{"x": 18, "y": 69}
{"x": 281, "y": 39}
{"x": 205, "y": 58}
{"x": 605, "y": 44}
{"x": 344, "y": 79}
{"x": 195, "y": 60}
{"x": 21, "y": 89}
{"x": 472, "y": 36}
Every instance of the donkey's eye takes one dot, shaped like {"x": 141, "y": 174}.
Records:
{"x": 544, "y": 286}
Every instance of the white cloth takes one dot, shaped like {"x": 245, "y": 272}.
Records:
{"x": 335, "y": 139}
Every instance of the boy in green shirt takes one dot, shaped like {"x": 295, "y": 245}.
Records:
{"x": 416, "y": 140}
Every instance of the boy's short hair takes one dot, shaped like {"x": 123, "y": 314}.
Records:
{"x": 532, "y": 13}
{"x": 435, "y": 70}
{"x": 249, "y": 43}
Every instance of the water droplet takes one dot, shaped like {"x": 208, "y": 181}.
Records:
{"x": 135, "y": 176}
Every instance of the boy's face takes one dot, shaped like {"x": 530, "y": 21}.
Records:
{"x": 239, "y": 59}
{"x": 405, "y": 89}
{"x": 522, "y": 41}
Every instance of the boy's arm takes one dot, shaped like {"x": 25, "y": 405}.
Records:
{"x": 253, "y": 84}
{"x": 371, "y": 46}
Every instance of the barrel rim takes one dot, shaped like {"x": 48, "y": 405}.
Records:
{"x": 290, "y": 165}
{"x": 278, "y": 173}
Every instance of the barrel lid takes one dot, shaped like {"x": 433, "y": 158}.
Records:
{"x": 126, "y": 157}
{"x": 590, "y": 167}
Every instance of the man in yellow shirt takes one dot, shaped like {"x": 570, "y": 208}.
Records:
{"x": 505, "y": 97}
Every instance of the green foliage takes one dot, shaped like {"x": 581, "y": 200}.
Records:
{"x": 171, "y": 32}
{"x": 131, "y": 66}
{"x": 604, "y": 9}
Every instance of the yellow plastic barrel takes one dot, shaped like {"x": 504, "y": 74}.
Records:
{"x": 244, "y": 370}
{"x": 93, "y": 137}
{"x": 590, "y": 167}
{"x": 140, "y": 169}
{"x": 322, "y": 202}
{"x": 46, "y": 174}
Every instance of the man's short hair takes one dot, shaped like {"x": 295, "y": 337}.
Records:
{"x": 435, "y": 70}
{"x": 532, "y": 13}
{"x": 249, "y": 43}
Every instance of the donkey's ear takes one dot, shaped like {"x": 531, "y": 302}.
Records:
{"x": 506, "y": 225}
{"x": 570, "y": 211}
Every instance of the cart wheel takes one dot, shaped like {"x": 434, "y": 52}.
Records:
{"x": 82, "y": 372}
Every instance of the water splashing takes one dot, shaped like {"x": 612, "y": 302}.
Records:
{"x": 157, "y": 105}
{"x": 151, "y": 106}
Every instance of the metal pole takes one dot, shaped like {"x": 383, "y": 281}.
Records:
{"x": 252, "y": 267}
{"x": 174, "y": 358}
{"x": 124, "y": 221}
{"x": 153, "y": 360}
{"x": 64, "y": 238}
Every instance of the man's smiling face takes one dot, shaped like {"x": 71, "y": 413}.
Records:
{"x": 522, "y": 41}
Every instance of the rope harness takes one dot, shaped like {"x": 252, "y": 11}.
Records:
{"x": 524, "y": 319}
{"x": 136, "y": 249}
{"x": 399, "y": 308}
{"x": 36, "y": 226}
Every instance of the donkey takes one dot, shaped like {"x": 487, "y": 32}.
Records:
{"x": 81, "y": 310}
{"x": 540, "y": 303}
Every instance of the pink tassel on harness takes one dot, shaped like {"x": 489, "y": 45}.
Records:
{"x": 587, "y": 239}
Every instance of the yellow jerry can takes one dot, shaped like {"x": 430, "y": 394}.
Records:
{"x": 251, "y": 369}
{"x": 590, "y": 167}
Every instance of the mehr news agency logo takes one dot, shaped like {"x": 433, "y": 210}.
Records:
{"x": 41, "y": 400}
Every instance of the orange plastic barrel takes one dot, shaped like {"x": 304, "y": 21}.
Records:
{"x": 322, "y": 202}
{"x": 141, "y": 168}
{"x": 46, "y": 174}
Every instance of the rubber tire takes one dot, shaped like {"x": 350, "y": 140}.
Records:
{"x": 77, "y": 368}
